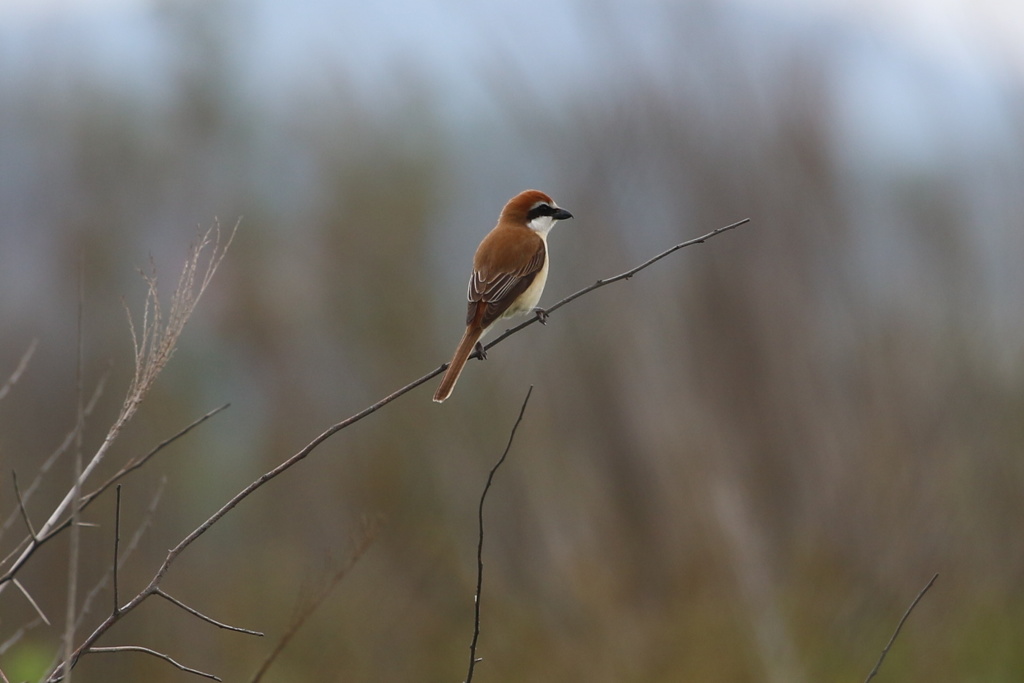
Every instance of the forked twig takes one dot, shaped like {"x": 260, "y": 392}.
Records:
{"x": 899, "y": 626}
{"x": 480, "y": 541}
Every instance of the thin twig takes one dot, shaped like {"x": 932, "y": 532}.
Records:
{"x": 480, "y": 541}
{"x": 607, "y": 281}
{"x": 21, "y": 506}
{"x": 22, "y": 365}
{"x": 129, "y": 550}
{"x": 899, "y": 626}
{"x": 148, "y": 651}
{"x": 31, "y": 600}
{"x": 362, "y": 544}
{"x": 199, "y": 615}
{"x": 18, "y": 634}
{"x": 117, "y": 545}
{"x": 69, "y": 439}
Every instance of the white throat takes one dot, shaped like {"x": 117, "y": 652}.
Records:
{"x": 542, "y": 225}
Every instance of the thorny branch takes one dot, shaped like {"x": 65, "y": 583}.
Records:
{"x": 145, "y": 347}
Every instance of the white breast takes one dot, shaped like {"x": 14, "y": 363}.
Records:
{"x": 531, "y": 297}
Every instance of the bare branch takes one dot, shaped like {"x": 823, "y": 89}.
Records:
{"x": 22, "y": 365}
{"x": 480, "y": 541}
{"x": 148, "y": 651}
{"x": 200, "y": 615}
{"x": 607, "y": 281}
{"x": 899, "y": 626}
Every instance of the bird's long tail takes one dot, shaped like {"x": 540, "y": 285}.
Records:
{"x": 462, "y": 354}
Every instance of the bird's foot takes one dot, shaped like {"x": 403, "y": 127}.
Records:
{"x": 542, "y": 315}
{"x": 481, "y": 351}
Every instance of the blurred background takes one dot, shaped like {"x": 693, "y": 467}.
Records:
{"x": 741, "y": 465}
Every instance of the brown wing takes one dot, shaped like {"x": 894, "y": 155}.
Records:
{"x": 490, "y": 297}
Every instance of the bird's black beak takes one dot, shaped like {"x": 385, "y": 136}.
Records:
{"x": 561, "y": 214}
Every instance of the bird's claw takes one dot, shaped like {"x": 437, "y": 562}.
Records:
{"x": 542, "y": 315}
{"x": 481, "y": 351}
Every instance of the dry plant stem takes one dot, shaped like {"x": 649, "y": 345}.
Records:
{"x": 899, "y": 626}
{"x": 369, "y": 532}
{"x": 161, "y": 655}
{"x": 480, "y": 541}
{"x": 22, "y": 365}
{"x": 172, "y": 555}
{"x": 69, "y": 439}
{"x": 74, "y": 542}
{"x": 154, "y": 345}
{"x": 38, "y": 540}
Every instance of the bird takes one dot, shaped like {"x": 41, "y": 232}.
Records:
{"x": 510, "y": 268}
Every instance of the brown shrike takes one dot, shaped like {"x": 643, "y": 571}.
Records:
{"x": 509, "y": 271}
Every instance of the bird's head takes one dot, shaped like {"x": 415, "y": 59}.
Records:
{"x": 535, "y": 210}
